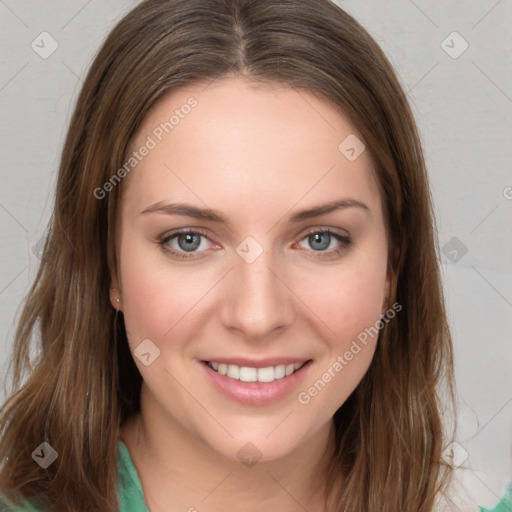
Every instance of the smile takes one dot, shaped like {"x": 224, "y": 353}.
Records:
{"x": 256, "y": 382}
{"x": 249, "y": 374}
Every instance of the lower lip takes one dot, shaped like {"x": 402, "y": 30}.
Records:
{"x": 257, "y": 393}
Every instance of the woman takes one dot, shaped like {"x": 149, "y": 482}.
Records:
{"x": 202, "y": 346}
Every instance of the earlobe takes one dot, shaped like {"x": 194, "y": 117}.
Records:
{"x": 115, "y": 293}
{"x": 115, "y": 299}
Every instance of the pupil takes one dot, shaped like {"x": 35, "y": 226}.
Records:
{"x": 189, "y": 238}
{"x": 317, "y": 239}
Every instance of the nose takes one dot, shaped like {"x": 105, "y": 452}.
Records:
{"x": 258, "y": 302}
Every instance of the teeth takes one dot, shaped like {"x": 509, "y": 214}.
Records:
{"x": 233, "y": 372}
{"x": 266, "y": 374}
{"x": 279, "y": 371}
{"x": 246, "y": 374}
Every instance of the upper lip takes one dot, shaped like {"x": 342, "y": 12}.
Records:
{"x": 257, "y": 363}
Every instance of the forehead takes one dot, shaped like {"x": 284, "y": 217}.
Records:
{"x": 236, "y": 142}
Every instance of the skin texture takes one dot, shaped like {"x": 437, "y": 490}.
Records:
{"x": 257, "y": 154}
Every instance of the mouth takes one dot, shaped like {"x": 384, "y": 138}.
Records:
{"x": 256, "y": 383}
{"x": 252, "y": 374}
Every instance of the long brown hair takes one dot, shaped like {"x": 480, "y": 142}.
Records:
{"x": 84, "y": 384}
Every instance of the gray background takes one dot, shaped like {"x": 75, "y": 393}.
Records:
{"x": 463, "y": 104}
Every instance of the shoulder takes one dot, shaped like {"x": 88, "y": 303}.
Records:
{"x": 505, "y": 504}
{"x": 131, "y": 495}
{"x": 25, "y": 505}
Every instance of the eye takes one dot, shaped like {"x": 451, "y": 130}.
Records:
{"x": 187, "y": 243}
{"x": 321, "y": 239}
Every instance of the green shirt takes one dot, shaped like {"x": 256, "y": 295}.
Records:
{"x": 505, "y": 505}
{"x": 131, "y": 495}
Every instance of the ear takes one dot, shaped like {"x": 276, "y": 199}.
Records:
{"x": 115, "y": 295}
{"x": 115, "y": 284}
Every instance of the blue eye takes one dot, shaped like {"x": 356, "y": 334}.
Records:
{"x": 186, "y": 243}
{"x": 190, "y": 241}
{"x": 320, "y": 240}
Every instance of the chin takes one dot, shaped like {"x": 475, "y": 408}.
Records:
{"x": 263, "y": 446}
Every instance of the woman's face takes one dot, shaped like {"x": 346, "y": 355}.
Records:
{"x": 262, "y": 280}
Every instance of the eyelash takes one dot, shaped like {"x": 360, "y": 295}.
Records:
{"x": 345, "y": 242}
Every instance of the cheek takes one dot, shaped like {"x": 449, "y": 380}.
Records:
{"x": 154, "y": 298}
{"x": 346, "y": 299}
{"x": 351, "y": 306}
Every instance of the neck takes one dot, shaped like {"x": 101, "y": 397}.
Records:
{"x": 176, "y": 467}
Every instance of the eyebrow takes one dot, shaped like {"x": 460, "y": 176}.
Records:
{"x": 208, "y": 214}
